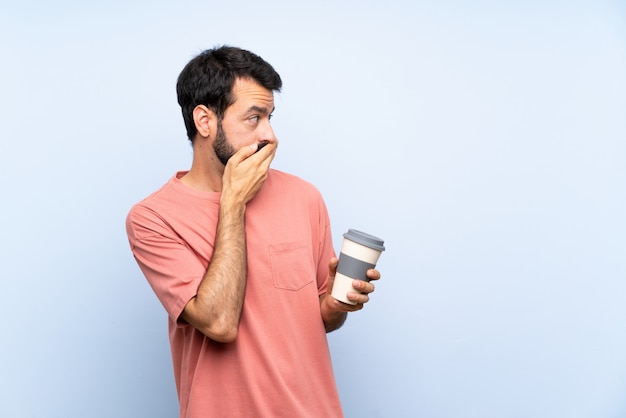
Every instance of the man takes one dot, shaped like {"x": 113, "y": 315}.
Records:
{"x": 241, "y": 256}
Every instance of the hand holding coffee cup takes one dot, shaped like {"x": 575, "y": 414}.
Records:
{"x": 359, "y": 253}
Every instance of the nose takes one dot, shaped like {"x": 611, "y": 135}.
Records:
{"x": 266, "y": 132}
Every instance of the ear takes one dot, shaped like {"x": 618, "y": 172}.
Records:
{"x": 205, "y": 121}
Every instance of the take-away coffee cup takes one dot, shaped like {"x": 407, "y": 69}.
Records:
{"x": 359, "y": 253}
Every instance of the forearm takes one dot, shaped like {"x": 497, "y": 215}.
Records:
{"x": 332, "y": 317}
{"x": 216, "y": 309}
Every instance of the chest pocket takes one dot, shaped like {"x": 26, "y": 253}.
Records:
{"x": 292, "y": 265}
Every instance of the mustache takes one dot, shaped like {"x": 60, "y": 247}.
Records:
{"x": 261, "y": 145}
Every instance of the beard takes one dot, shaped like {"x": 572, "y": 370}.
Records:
{"x": 221, "y": 146}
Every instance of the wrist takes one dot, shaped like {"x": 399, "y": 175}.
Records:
{"x": 230, "y": 206}
{"x": 332, "y": 316}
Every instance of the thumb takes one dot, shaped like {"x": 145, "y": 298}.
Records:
{"x": 332, "y": 271}
{"x": 332, "y": 266}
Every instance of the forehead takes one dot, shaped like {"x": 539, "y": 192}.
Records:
{"x": 247, "y": 92}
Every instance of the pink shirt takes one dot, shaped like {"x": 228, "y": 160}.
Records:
{"x": 280, "y": 363}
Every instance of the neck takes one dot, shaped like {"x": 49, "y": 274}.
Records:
{"x": 206, "y": 171}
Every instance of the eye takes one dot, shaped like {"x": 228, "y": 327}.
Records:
{"x": 271, "y": 116}
{"x": 254, "y": 119}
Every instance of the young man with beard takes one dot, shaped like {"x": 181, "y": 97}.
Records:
{"x": 241, "y": 255}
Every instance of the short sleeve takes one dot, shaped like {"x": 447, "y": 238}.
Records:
{"x": 325, "y": 245}
{"x": 172, "y": 269}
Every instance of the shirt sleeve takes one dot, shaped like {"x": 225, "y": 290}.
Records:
{"x": 326, "y": 250}
{"x": 170, "y": 266}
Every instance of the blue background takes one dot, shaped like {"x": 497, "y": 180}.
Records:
{"x": 484, "y": 141}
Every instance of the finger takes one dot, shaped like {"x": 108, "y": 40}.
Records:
{"x": 373, "y": 274}
{"x": 339, "y": 306}
{"x": 271, "y": 151}
{"x": 243, "y": 153}
{"x": 265, "y": 156}
{"x": 269, "y": 146}
{"x": 363, "y": 287}
{"x": 342, "y": 306}
{"x": 266, "y": 149}
{"x": 359, "y": 299}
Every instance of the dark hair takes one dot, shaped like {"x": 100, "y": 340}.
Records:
{"x": 208, "y": 79}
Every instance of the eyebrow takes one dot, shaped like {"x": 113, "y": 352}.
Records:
{"x": 260, "y": 109}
